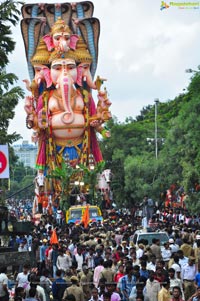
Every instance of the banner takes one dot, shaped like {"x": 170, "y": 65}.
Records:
{"x": 86, "y": 217}
{"x": 54, "y": 238}
{"x": 4, "y": 162}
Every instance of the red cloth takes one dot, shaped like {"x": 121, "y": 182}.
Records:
{"x": 45, "y": 201}
{"x": 118, "y": 276}
{"x": 116, "y": 256}
{"x": 94, "y": 143}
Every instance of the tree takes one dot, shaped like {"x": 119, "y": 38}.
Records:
{"x": 21, "y": 177}
{"x": 9, "y": 14}
{"x": 132, "y": 160}
{"x": 9, "y": 94}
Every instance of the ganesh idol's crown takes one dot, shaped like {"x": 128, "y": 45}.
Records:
{"x": 60, "y": 26}
{"x": 41, "y": 55}
{"x": 70, "y": 54}
{"x": 82, "y": 52}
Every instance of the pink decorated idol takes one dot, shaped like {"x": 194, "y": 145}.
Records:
{"x": 60, "y": 38}
{"x": 66, "y": 103}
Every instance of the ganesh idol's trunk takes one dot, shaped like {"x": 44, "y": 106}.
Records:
{"x": 66, "y": 89}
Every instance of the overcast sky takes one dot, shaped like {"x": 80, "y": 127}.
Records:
{"x": 143, "y": 53}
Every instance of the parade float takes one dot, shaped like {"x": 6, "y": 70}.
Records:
{"x": 61, "y": 46}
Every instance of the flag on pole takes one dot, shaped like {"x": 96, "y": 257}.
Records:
{"x": 86, "y": 217}
{"x": 54, "y": 238}
{"x": 4, "y": 162}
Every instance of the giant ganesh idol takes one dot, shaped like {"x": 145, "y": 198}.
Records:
{"x": 61, "y": 43}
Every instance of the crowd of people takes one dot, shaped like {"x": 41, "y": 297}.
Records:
{"x": 101, "y": 263}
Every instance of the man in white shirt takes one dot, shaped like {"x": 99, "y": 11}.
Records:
{"x": 79, "y": 259}
{"x": 34, "y": 283}
{"x": 174, "y": 248}
{"x": 22, "y": 278}
{"x": 89, "y": 259}
{"x": 71, "y": 247}
{"x": 151, "y": 266}
{"x": 152, "y": 287}
{"x": 140, "y": 251}
{"x": 59, "y": 216}
{"x": 166, "y": 253}
{"x": 176, "y": 266}
{"x": 183, "y": 260}
{"x": 64, "y": 261}
{"x": 4, "y": 295}
{"x": 23, "y": 247}
{"x": 174, "y": 282}
{"x": 94, "y": 295}
{"x": 188, "y": 277}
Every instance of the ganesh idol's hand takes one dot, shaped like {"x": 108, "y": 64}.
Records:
{"x": 28, "y": 84}
{"x": 107, "y": 134}
{"x": 95, "y": 123}
{"x": 35, "y": 137}
{"x": 28, "y": 107}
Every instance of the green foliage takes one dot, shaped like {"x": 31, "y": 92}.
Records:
{"x": 9, "y": 15}
{"x": 9, "y": 94}
{"x": 64, "y": 174}
{"x": 192, "y": 202}
{"x": 89, "y": 177}
{"x": 67, "y": 175}
{"x": 20, "y": 177}
{"x": 194, "y": 89}
{"x": 132, "y": 160}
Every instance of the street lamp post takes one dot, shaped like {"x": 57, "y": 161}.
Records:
{"x": 156, "y": 127}
{"x": 155, "y": 140}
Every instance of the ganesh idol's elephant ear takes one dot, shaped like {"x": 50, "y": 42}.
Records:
{"x": 59, "y": 10}
{"x": 81, "y": 10}
{"x": 32, "y": 10}
{"x": 32, "y": 30}
{"x": 90, "y": 31}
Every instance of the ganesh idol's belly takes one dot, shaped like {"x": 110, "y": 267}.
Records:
{"x": 67, "y": 127}
{"x": 66, "y": 131}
